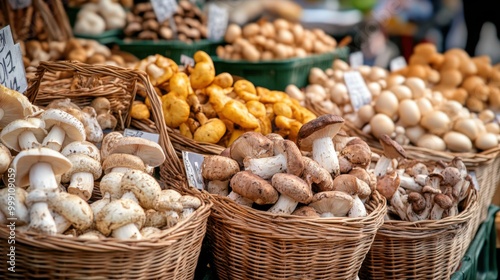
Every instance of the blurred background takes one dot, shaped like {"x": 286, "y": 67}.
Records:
{"x": 386, "y": 29}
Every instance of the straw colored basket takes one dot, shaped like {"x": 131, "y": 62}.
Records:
{"x": 485, "y": 165}
{"x": 171, "y": 255}
{"x": 252, "y": 244}
{"x": 430, "y": 249}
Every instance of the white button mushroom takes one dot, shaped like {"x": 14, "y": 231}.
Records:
{"x": 140, "y": 187}
{"x": 122, "y": 218}
{"x": 61, "y": 125}
{"x": 12, "y": 205}
{"x": 23, "y": 134}
{"x": 73, "y": 208}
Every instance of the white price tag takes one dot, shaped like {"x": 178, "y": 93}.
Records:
{"x": 164, "y": 9}
{"x": 474, "y": 179}
{"x": 397, "y": 63}
{"x": 356, "y": 59}
{"x": 358, "y": 91}
{"x": 137, "y": 133}
{"x": 19, "y": 4}
{"x": 193, "y": 163}
{"x": 187, "y": 60}
{"x": 12, "y": 72}
{"x": 218, "y": 19}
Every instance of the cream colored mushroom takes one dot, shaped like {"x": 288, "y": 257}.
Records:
{"x": 437, "y": 122}
{"x": 431, "y": 141}
{"x": 457, "y": 142}
{"x": 381, "y": 124}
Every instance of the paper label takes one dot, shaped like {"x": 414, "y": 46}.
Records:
{"x": 141, "y": 134}
{"x": 397, "y": 63}
{"x": 356, "y": 59}
{"x": 187, "y": 60}
{"x": 19, "y": 4}
{"x": 192, "y": 164}
{"x": 218, "y": 19}
{"x": 164, "y": 9}
{"x": 474, "y": 179}
{"x": 12, "y": 72}
{"x": 358, "y": 91}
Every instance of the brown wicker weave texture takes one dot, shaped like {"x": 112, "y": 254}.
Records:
{"x": 421, "y": 250}
{"x": 252, "y": 244}
{"x": 171, "y": 255}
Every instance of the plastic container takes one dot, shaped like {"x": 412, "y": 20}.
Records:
{"x": 171, "y": 49}
{"x": 278, "y": 74}
{"x": 480, "y": 260}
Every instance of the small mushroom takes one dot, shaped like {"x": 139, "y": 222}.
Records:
{"x": 189, "y": 205}
{"x": 13, "y": 106}
{"x": 316, "y": 176}
{"x": 23, "y": 134}
{"x": 218, "y": 170}
{"x": 392, "y": 150}
{"x": 73, "y": 209}
{"x": 12, "y": 205}
{"x": 316, "y": 136}
{"x": 61, "y": 125}
{"x": 122, "y": 219}
{"x": 293, "y": 190}
{"x": 251, "y": 186}
{"x": 252, "y": 145}
{"x": 442, "y": 202}
{"x": 359, "y": 190}
{"x": 332, "y": 203}
{"x": 122, "y": 163}
{"x": 150, "y": 152}
{"x": 141, "y": 188}
{"x": 305, "y": 211}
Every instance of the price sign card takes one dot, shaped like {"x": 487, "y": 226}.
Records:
{"x": 164, "y": 9}
{"x": 12, "y": 72}
{"x": 19, "y": 4}
{"x": 356, "y": 59}
{"x": 192, "y": 164}
{"x": 397, "y": 63}
{"x": 187, "y": 60}
{"x": 146, "y": 135}
{"x": 358, "y": 91}
{"x": 218, "y": 19}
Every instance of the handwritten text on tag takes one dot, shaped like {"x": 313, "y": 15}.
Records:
{"x": 137, "y": 133}
{"x": 193, "y": 163}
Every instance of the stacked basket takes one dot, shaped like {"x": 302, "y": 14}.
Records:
{"x": 171, "y": 255}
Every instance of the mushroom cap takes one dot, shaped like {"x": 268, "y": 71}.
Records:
{"x": 388, "y": 184}
{"x": 444, "y": 201}
{"x": 169, "y": 201}
{"x": 23, "y": 162}
{"x": 189, "y": 201}
{"x": 292, "y": 186}
{"x": 294, "y": 163}
{"x": 10, "y": 133}
{"x": 251, "y": 144}
{"x": 111, "y": 183}
{"x": 122, "y": 160}
{"x": 73, "y": 208}
{"x": 351, "y": 185}
{"x": 219, "y": 168}
{"x": 118, "y": 213}
{"x": 82, "y": 147}
{"x": 305, "y": 211}
{"x": 150, "y": 152}
{"x": 391, "y": 148}
{"x": 82, "y": 163}
{"x": 72, "y": 126}
{"x": 316, "y": 176}
{"x": 357, "y": 154}
{"x": 451, "y": 176}
{"x": 109, "y": 141}
{"x": 5, "y": 158}
{"x": 251, "y": 186}
{"x": 144, "y": 186}
{"x": 323, "y": 126}
{"x": 417, "y": 201}
{"x": 13, "y": 105}
{"x": 335, "y": 202}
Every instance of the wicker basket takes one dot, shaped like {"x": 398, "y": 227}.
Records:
{"x": 431, "y": 249}
{"x": 253, "y": 244}
{"x": 485, "y": 165}
{"x": 171, "y": 255}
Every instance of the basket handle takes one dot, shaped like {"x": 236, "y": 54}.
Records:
{"x": 172, "y": 167}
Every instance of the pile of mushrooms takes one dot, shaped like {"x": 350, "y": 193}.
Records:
{"x": 95, "y": 18}
{"x": 50, "y": 171}
{"x": 279, "y": 39}
{"x": 420, "y": 191}
{"x": 190, "y": 23}
{"x": 324, "y": 175}
{"x": 405, "y": 108}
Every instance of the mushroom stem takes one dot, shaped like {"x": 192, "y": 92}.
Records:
{"x": 61, "y": 223}
{"x": 27, "y": 140}
{"x": 128, "y": 231}
{"x": 358, "y": 208}
{"x": 266, "y": 167}
{"x": 82, "y": 184}
{"x": 42, "y": 178}
{"x": 436, "y": 212}
{"x": 382, "y": 166}
{"x": 240, "y": 199}
{"x": 284, "y": 205}
{"x": 409, "y": 184}
{"x": 324, "y": 153}
{"x": 218, "y": 187}
{"x": 327, "y": 215}
{"x": 54, "y": 138}
{"x": 398, "y": 201}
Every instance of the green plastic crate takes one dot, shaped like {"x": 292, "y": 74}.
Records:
{"x": 480, "y": 260}
{"x": 278, "y": 74}
{"x": 171, "y": 49}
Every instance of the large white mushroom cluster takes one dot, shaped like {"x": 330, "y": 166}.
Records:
{"x": 324, "y": 175}
{"x": 409, "y": 109}
{"x": 50, "y": 171}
